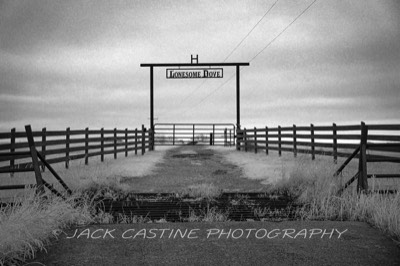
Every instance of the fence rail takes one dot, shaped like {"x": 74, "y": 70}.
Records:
{"x": 66, "y": 145}
{"x": 351, "y": 141}
{"x": 336, "y": 141}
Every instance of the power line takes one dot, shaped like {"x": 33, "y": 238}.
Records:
{"x": 208, "y": 95}
{"x": 247, "y": 35}
{"x": 277, "y": 36}
{"x": 234, "y": 49}
{"x": 265, "y": 47}
{"x": 237, "y": 46}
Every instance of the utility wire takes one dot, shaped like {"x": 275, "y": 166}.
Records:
{"x": 277, "y": 36}
{"x": 265, "y": 47}
{"x": 247, "y": 35}
{"x": 226, "y": 58}
{"x": 208, "y": 95}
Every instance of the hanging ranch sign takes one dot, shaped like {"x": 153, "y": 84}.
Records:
{"x": 195, "y": 73}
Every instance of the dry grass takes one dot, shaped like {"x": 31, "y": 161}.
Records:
{"x": 28, "y": 227}
{"x": 201, "y": 191}
{"x": 211, "y": 215}
{"x": 313, "y": 185}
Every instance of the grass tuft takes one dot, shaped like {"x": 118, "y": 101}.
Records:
{"x": 211, "y": 215}
{"x": 27, "y": 225}
{"x": 201, "y": 191}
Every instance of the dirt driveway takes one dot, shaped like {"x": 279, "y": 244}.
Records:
{"x": 190, "y": 165}
{"x": 225, "y": 243}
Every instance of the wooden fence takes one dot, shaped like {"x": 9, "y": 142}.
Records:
{"x": 350, "y": 141}
{"x": 66, "y": 145}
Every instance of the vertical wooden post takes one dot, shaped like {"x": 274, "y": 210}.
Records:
{"x": 238, "y": 139}
{"x": 102, "y": 144}
{"x": 226, "y": 137}
{"x": 126, "y": 142}
{"x": 230, "y": 137}
{"x": 334, "y": 143}
{"x": 115, "y": 143}
{"x": 312, "y": 142}
{"x": 238, "y": 97}
{"x": 43, "y": 147}
{"x": 136, "y": 140}
{"x": 87, "y": 146}
{"x": 213, "y": 139}
{"x": 12, "y": 149}
{"x": 151, "y": 139}
{"x": 173, "y": 135}
{"x": 266, "y": 140}
{"x": 294, "y": 141}
{"x": 193, "y": 135}
{"x": 143, "y": 139}
{"x": 362, "y": 162}
{"x": 35, "y": 161}
{"x": 245, "y": 139}
{"x": 255, "y": 140}
{"x": 279, "y": 141}
{"x": 151, "y": 98}
{"x": 67, "y": 141}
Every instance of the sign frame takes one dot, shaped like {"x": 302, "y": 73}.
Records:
{"x": 201, "y": 73}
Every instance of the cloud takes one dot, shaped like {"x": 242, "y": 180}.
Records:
{"x": 65, "y": 63}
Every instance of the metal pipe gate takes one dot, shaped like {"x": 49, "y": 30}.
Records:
{"x": 218, "y": 134}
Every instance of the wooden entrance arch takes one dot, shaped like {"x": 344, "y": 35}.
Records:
{"x": 194, "y": 63}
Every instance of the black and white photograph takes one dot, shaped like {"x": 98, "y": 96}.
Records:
{"x": 199, "y": 132}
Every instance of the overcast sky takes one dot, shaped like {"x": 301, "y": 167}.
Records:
{"x": 77, "y": 63}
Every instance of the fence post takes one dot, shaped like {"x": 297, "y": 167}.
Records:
{"x": 226, "y": 137}
{"x": 136, "y": 141}
{"x": 211, "y": 136}
{"x": 12, "y": 149}
{"x": 237, "y": 139}
{"x": 173, "y": 135}
{"x": 312, "y": 142}
{"x": 193, "y": 135}
{"x": 266, "y": 140}
{"x": 362, "y": 162}
{"x": 151, "y": 139}
{"x": 35, "y": 161}
{"x": 43, "y": 146}
{"x": 334, "y": 143}
{"x": 230, "y": 137}
{"x": 126, "y": 142}
{"x": 86, "y": 146}
{"x": 255, "y": 140}
{"x": 279, "y": 141}
{"x": 67, "y": 140}
{"x": 115, "y": 143}
{"x": 143, "y": 139}
{"x": 294, "y": 141}
{"x": 102, "y": 144}
{"x": 245, "y": 139}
